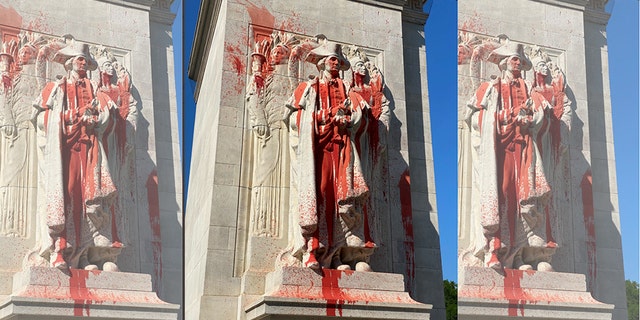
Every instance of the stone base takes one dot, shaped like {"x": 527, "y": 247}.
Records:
{"x": 484, "y": 293}
{"x": 48, "y": 293}
{"x": 302, "y": 293}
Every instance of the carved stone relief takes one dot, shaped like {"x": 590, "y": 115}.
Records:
{"x": 514, "y": 163}
{"x": 66, "y": 145}
{"x": 318, "y": 149}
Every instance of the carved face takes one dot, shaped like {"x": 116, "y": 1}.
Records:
{"x": 25, "y": 55}
{"x": 331, "y": 64}
{"x": 542, "y": 68}
{"x": 107, "y": 68}
{"x": 79, "y": 65}
{"x": 360, "y": 68}
{"x": 514, "y": 64}
{"x": 278, "y": 55}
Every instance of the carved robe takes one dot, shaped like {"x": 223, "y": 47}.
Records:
{"x": 511, "y": 190}
{"x": 331, "y": 188}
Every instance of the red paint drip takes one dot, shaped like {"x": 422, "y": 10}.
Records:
{"x": 79, "y": 292}
{"x": 407, "y": 223}
{"x": 332, "y": 292}
{"x": 588, "y": 212}
{"x": 154, "y": 221}
{"x": 513, "y": 291}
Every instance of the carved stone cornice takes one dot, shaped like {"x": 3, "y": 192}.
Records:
{"x": 571, "y": 4}
{"x": 161, "y": 12}
{"x": 137, "y": 4}
{"x": 205, "y": 27}
{"x": 596, "y": 16}
{"x": 389, "y": 4}
{"x": 414, "y": 13}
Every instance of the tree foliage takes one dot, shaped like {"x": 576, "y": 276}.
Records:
{"x": 632, "y": 299}
{"x": 451, "y": 299}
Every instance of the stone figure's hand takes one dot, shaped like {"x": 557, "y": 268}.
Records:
{"x": 262, "y": 130}
{"x": 8, "y": 129}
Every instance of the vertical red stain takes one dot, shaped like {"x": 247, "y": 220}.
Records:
{"x": 79, "y": 292}
{"x": 154, "y": 221}
{"x": 407, "y": 223}
{"x": 588, "y": 213}
{"x": 332, "y": 292}
{"x": 513, "y": 291}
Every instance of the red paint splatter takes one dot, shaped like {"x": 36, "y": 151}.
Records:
{"x": 513, "y": 291}
{"x": 473, "y": 23}
{"x": 79, "y": 292}
{"x": 588, "y": 212}
{"x": 407, "y": 223}
{"x": 154, "y": 221}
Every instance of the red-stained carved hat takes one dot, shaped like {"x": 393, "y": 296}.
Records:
{"x": 73, "y": 50}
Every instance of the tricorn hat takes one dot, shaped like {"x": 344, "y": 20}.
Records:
{"x": 73, "y": 50}
{"x": 327, "y": 49}
{"x": 507, "y": 50}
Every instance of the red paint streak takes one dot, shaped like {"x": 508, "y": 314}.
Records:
{"x": 407, "y": 223}
{"x": 79, "y": 292}
{"x": 260, "y": 16}
{"x": 10, "y": 17}
{"x": 589, "y": 226}
{"x": 154, "y": 221}
{"x": 332, "y": 292}
{"x": 513, "y": 291}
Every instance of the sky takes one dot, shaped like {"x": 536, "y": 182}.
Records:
{"x": 441, "y": 44}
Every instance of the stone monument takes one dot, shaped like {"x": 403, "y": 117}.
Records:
{"x": 314, "y": 194}
{"x": 537, "y": 209}
{"x": 82, "y": 164}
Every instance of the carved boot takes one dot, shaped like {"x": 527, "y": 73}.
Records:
{"x": 309, "y": 260}
{"x": 337, "y": 263}
{"x": 57, "y": 258}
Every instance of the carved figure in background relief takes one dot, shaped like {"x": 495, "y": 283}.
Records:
{"x": 76, "y": 122}
{"x": 512, "y": 193}
{"x": 367, "y": 82}
{"x": 331, "y": 190}
{"x": 269, "y": 87}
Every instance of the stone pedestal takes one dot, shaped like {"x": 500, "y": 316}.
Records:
{"x": 485, "y": 293}
{"x": 302, "y": 293}
{"x": 47, "y": 293}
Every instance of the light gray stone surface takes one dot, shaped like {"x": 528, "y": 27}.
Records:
{"x": 484, "y": 293}
{"x": 302, "y": 293}
{"x": 49, "y": 293}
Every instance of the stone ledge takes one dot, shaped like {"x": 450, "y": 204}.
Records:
{"x": 484, "y": 293}
{"x": 301, "y": 293}
{"x": 50, "y": 293}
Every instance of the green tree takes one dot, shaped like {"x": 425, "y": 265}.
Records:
{"x": 632, "y": 299}
{"x": 451, "y": 299}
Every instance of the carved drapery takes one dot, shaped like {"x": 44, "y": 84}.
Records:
{"x": 529, "y": 235}
{"x": 278, "y": 62}
{"x": 33, "y": 61}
